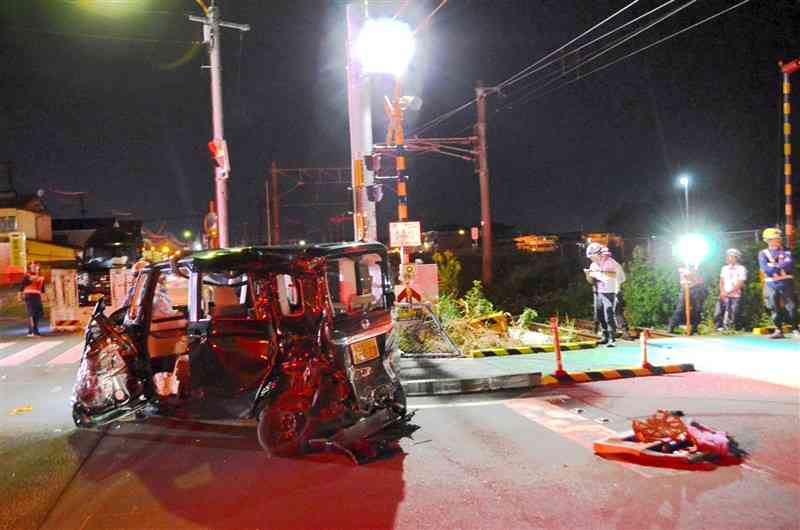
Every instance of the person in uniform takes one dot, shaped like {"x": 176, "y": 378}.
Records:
{"x": 777, "y": 265}
{"x": 32, "y": 291}
{"x": 602, "y": 275}
{"x": 731, "y": 282}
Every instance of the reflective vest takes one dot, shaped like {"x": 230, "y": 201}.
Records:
{"x": 35, "y": 286}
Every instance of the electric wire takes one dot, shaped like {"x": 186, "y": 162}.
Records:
{"x": 97, "y": 36}
{"x": 447, "y": 115}
{"x": 634, "y": 53}
{"x": 608, "y": 48}
{"x": 593, "y": 41}
{"x": 572, "y": 41}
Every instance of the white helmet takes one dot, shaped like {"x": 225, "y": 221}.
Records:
{"x": 593, "y": 249}
{"x": 735, "y": 252}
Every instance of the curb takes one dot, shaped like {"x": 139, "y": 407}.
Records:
{"x": 430, "y": 387}
{"x": 769, "y": 329}
{"x": 619, "y": 373}
{"x": 499, "y": 352}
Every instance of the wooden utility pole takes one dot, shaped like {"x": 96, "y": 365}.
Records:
{"x": 274, "y": 209}
{"x": 483, "y": 172}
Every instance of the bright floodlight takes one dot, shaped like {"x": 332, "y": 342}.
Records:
{"x": 684, "y": 180}
{"x": 692, "y": 248}
{"x": 385, "y": 46}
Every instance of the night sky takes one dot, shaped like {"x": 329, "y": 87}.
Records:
{"x": 109, "y": 97}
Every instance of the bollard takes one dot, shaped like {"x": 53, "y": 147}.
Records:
{"x": 644, "y": 336}
{"x": 557, "y": 347}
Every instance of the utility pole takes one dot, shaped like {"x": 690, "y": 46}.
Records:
{"x": 211, "y": 37}
{"x": 275, "y": 205}
{"x": 787, "y": 69}
{"x": 360, "y": 120}
{"x": 483, "y": 172}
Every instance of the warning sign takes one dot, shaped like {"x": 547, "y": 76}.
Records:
{"x": 407, "y": 234}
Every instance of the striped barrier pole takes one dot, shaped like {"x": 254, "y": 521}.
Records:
{"x": 557, "y": 345}
{"x": 644, "y": 336}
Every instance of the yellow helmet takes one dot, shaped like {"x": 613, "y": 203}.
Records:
{"x": 771, "y": 233}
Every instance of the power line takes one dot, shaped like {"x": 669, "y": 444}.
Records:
{"x": 513, "y": 78}
{"x": 447, "y": 115}
{"x": 587, "y": 44}
{"x": 606, "y": 49}
{"x": 633, "y": 53}
{"x": 97, "y": 36}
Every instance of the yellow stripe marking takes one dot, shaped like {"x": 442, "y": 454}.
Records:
{"x": 580, "y": 377}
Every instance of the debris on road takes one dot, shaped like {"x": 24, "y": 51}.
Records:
{"x": 666, "y": 439}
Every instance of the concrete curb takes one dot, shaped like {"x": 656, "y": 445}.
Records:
{"x": 619, "y": 373}
{"x": 498, "y": 352}
{"x": 430, "y": 387}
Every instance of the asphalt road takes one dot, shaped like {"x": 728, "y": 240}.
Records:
{"x": 509, "y": 460}
{"x": 484, "y": 461}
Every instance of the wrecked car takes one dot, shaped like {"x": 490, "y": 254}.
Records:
{"x": 296, "y": 337}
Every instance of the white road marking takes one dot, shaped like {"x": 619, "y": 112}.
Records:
{"x": 29, "y": 353}
{"x": 451, "y": 405}
{"x": 72, "y": 355}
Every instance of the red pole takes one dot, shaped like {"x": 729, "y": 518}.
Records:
{"x": 557, "y": 345}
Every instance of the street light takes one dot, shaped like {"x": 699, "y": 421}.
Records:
{"x": 385, "y": 46}
{"x": 692, "y": 248}
{"x": 684, "y": 181}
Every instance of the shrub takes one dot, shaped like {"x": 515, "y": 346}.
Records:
{"x": 475, "y": 302}
{"x": 449, "y": 269}
{"x": 651, "y": 292}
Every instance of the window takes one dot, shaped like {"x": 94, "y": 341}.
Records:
{"x": 356, "y": 283}
{"x": 8, "y": 223}
{"x": 224, "y": 296}
{"x": 289, "y": 295}
{"x": 171, "y": 298}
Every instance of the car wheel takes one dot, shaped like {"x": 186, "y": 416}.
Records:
{"x": 283, "y": 432}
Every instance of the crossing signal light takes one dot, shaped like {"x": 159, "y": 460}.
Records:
{"x": 219, "y": 152}
{"x": 389, "y": 162}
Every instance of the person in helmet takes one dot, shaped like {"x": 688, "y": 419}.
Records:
{"x": 602, "y": 274}
{"x": 731, "y": 282}
{"x": 777, "y": 265}
{"x": 689, "y": 277}
{"x": 619, "y": 302}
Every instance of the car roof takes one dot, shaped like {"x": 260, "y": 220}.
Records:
{"x": 277, "y": 255}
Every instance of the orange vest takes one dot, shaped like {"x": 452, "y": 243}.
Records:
{"x": 36, "y": 286}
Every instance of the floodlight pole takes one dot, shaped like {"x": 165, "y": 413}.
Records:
{"x": 360, "y": 119}
{"x": 211, "y": 33}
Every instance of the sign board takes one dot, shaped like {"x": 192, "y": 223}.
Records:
{"x": 475, "y": 233}
{"x": 18, "y": 256}
{"x": 408, "y": 234}
{"x": 424, "y": 281}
